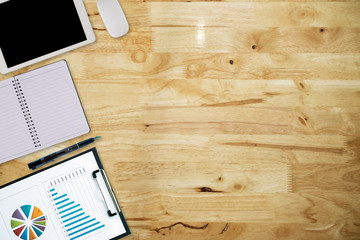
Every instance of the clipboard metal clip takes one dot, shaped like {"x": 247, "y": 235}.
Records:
{"x": 111, "y": 192}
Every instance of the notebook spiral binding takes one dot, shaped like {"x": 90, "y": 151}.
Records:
{"x": 26, "y": 112}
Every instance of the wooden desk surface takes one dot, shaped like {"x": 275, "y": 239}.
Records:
{"x": 225, "y": 120}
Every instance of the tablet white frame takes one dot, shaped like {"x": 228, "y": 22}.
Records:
{"x": 89, "y": 33}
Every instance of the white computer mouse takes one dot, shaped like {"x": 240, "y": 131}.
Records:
{"x": 113, "y": 17}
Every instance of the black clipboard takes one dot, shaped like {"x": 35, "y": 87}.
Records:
{"x": 97, "y": 175}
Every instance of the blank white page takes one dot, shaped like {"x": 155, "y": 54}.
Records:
{"x": 15, "y": 138}
{"x": 54, "y": 104}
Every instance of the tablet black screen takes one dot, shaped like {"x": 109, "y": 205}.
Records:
{"x": 33, "y": 28}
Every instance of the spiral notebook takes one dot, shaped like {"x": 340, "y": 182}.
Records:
{"x": 70, "y": 200}
{"x": 38, "y": 109}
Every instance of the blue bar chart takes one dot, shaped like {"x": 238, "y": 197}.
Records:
{"x": 75, "y": 206}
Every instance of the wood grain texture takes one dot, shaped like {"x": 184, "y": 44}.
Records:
{"x": 225, "y": 119}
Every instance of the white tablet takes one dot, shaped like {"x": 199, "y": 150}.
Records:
{"x": 34, "y": 30}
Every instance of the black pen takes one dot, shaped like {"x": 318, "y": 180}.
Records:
{"x": 51, "y": 157}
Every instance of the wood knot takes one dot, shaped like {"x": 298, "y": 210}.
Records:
{"x": 302, "y": 121}
{"x": 301, "y": 85}
{"x": 303, "y": 15}
{"x": 139, "y": 57}
{"x": 207, "y": 189}
{"x": 237, "y": 186}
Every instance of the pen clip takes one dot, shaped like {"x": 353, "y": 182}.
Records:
{"x": 111, "y": 192}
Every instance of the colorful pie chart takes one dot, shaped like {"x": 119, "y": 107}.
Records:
{"x": 28, "y": 222}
